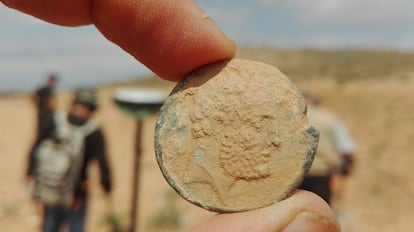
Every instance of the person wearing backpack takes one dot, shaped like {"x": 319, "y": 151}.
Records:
{"x": 58, "y": 164}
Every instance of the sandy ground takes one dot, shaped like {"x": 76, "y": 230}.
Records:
{"x": 377, "y": 198}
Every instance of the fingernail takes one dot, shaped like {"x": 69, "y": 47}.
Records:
{"x": 311, "y": 222}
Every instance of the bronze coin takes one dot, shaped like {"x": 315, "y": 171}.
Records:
{"x": 233, "y": 136}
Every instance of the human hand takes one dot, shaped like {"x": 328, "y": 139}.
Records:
{"x": 170, "y": 37}
{"x": 302, "y": 212}
{"x": 173, "y": 38}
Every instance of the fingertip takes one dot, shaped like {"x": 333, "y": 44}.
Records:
{"x": 312, "y": 213}
{"x": 172, "y": 38}
{"x": 303, "y": 211}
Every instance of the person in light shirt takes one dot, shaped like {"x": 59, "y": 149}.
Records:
{"x": 336, "y": 150}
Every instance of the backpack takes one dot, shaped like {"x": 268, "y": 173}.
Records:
{"x": 59, "y": 161}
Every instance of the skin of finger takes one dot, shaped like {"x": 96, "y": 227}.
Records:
{"x": 170, "y": 37}
{"x": 273, "y": 218}
{"x": 62, "y": 12}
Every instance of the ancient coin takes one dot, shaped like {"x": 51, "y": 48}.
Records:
{"x": 233, "y": 136}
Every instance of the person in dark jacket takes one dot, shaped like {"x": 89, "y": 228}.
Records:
{"x": 44, "y": 101}
{"x": 83, "y": 107}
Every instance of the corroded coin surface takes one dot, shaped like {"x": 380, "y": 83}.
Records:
{"x": 233, "y": 136}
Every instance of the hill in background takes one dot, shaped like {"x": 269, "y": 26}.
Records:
{"x": 340, "y": 65}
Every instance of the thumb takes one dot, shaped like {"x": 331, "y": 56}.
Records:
{"x": 302, "y": 212}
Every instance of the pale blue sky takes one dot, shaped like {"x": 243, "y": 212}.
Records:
{"x": 31, "y": 48}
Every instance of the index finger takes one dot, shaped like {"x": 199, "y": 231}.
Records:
{"x": 170, "y": 37}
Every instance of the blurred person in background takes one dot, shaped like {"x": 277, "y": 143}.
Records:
{"x": 44, "y": 100}
{"x": 335, "y": 154}
{"x": 73, "y": 215}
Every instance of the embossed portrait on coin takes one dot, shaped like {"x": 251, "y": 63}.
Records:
{"x": 242, "y": 144}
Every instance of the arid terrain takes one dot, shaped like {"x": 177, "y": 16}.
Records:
{"x": 379, "y": 111}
